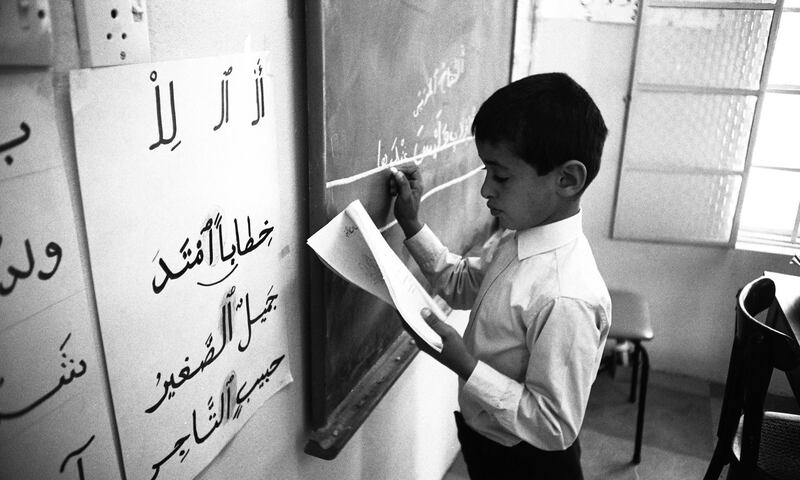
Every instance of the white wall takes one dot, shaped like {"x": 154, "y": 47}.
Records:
{"x": 411, "y": 434}
{"x": 691, "y": 290}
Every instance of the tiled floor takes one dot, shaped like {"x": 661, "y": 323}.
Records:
{"x": 679, "y": 429}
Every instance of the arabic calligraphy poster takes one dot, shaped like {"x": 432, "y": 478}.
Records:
{"x": 179, "y": 180}
{"x": 54, "y": 415}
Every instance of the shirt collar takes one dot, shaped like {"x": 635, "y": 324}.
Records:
{"x": 544, "y": 238}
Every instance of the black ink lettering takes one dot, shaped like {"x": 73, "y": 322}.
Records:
{"x": 178, "y": 444}
{"x": 62, "y": 381}
{"x": 225, "y": 105}
{"x": 16, "y": 273}
{"x": 220, "y": 280}
{"x": 259, "y": 82}
{"x": 207, "y": 228}
{"x": 263, "y": 378}
{"x": 26, "y": 133}
{"x": 161, "y": 140}
{"x": 51, "y": 250}
{"x": 249, "y": 324}
{"x": 185, "y": 374}
{"x": 79, "y": 461}
{"x": 169, "y": 275}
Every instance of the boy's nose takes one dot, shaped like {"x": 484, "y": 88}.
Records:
{"x": 486, "y": 191}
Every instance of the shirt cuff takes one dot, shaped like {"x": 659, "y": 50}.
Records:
{"x": 425, "y": 247}
{"x": 497, "y": 392}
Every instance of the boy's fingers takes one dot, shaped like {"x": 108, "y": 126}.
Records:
{"x": 435, "y": 323}
{"x": 403, "y": 188}
{"x": 413, "y": 175}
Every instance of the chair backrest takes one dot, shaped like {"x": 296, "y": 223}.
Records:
{"x": 761, "y": 349}
{"x": 767, "y": 343}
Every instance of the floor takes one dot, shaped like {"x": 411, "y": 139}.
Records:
{"x": 679, "y": 429}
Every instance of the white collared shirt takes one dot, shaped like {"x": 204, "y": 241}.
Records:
{"x": 539, "y": 321}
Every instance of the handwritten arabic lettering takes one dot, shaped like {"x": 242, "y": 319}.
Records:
{"x": 76, "y": 454}
{"x": 51, "y": 250}
{"x": 349, "y": 230}
{"x": 171, "y": 384}
{"x": 67, "y": 363}
{"x": 259, "y": 81}
{"x": 161, "y": 140}
{"x": 443, "y": 134}
{"x": 26, "y": 133}
{"x": 442, "y": 79}
{"x": 223, "y": 94}
{"x": 229, "y": 409}
{"x": 265, "y": 235}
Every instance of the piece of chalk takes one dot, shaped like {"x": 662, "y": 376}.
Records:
{"x": 393, "y": 170}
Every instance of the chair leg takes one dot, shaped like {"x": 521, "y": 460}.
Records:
{"x": 718, "y": 461}
{"x": 613, "y": 366}
{"x": 635, "y": 374}
{"x": 637, "y": 449}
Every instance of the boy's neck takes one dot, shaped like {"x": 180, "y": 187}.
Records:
{"x": 568, "y": 209}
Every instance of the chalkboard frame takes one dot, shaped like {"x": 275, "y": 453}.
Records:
{"x": 333, "y": 427}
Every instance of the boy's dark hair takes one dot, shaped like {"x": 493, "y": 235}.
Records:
{"x": 547, "y": 120}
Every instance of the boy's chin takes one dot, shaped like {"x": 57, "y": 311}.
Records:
{"x": 504, "y": 223}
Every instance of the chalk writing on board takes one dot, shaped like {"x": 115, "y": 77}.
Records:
{"x": 229, "y": 408}
{"x": 236, "y": 248}
{"x": 442, "y": 79}
{"x": 445, "y": 136}
{"x": 259, "y": 82}
{"x": 223, "y": 95}
{"x": 161, "y": 140}
{"x": 51, "y": 250}
{"x": 76, "y": 454}
{"x": 26, "y": 133}
{"x": 231, "y": 305}
{"x": 68, "y": 365}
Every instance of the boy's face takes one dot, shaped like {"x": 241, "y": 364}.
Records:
{"x": 517, "y": 195}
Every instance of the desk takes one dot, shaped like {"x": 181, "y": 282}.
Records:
{"x": 787, "y": 293}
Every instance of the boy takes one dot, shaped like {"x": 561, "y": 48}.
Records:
{"x": 540, "y": 309}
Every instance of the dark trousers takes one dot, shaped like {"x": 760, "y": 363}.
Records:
{"x": 487, "y": 459}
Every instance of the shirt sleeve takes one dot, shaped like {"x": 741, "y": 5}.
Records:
{"x": 547, "y": 409}
{"x": 455, "y": 278}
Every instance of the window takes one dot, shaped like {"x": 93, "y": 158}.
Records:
{"x": 711, "y": 152}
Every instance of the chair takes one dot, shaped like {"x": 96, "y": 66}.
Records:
{"x": 757, "y": 444}
{"x": 630, "y": 321}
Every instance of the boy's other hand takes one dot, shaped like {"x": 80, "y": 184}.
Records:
{"x": 405, "y": 183}
{"x": 454, "y": 354}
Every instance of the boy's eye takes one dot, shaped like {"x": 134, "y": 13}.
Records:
{"x": 495, "y": 177}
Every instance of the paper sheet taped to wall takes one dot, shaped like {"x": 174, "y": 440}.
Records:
{"x": 55, "y": 420}
{"x": 353, "y": 248}
{"x": 179, "y": 180}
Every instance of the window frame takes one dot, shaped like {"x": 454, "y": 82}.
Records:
{"x": 750, "y": 241}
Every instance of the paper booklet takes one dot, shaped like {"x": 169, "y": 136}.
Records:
{"x": 353, "y": 248}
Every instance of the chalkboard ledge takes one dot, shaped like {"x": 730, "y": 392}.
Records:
{"x": 326, "y": 442}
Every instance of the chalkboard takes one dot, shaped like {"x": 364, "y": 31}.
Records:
{"x": 390, "y": 83}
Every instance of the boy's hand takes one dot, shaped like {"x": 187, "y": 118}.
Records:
{"x": 406, "y": 184}
{"x": 454, "y": 354}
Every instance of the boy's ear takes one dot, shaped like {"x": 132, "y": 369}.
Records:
{"x": 571, "y": 178}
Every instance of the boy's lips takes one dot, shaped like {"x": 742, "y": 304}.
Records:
{"x": 493, "y": 210}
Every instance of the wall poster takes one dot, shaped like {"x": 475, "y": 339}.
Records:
{"x": 179, "y": 179}
{"x": 55, "y": 421}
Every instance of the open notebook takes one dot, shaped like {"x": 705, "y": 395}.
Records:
{"x": 353, "y": 248}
